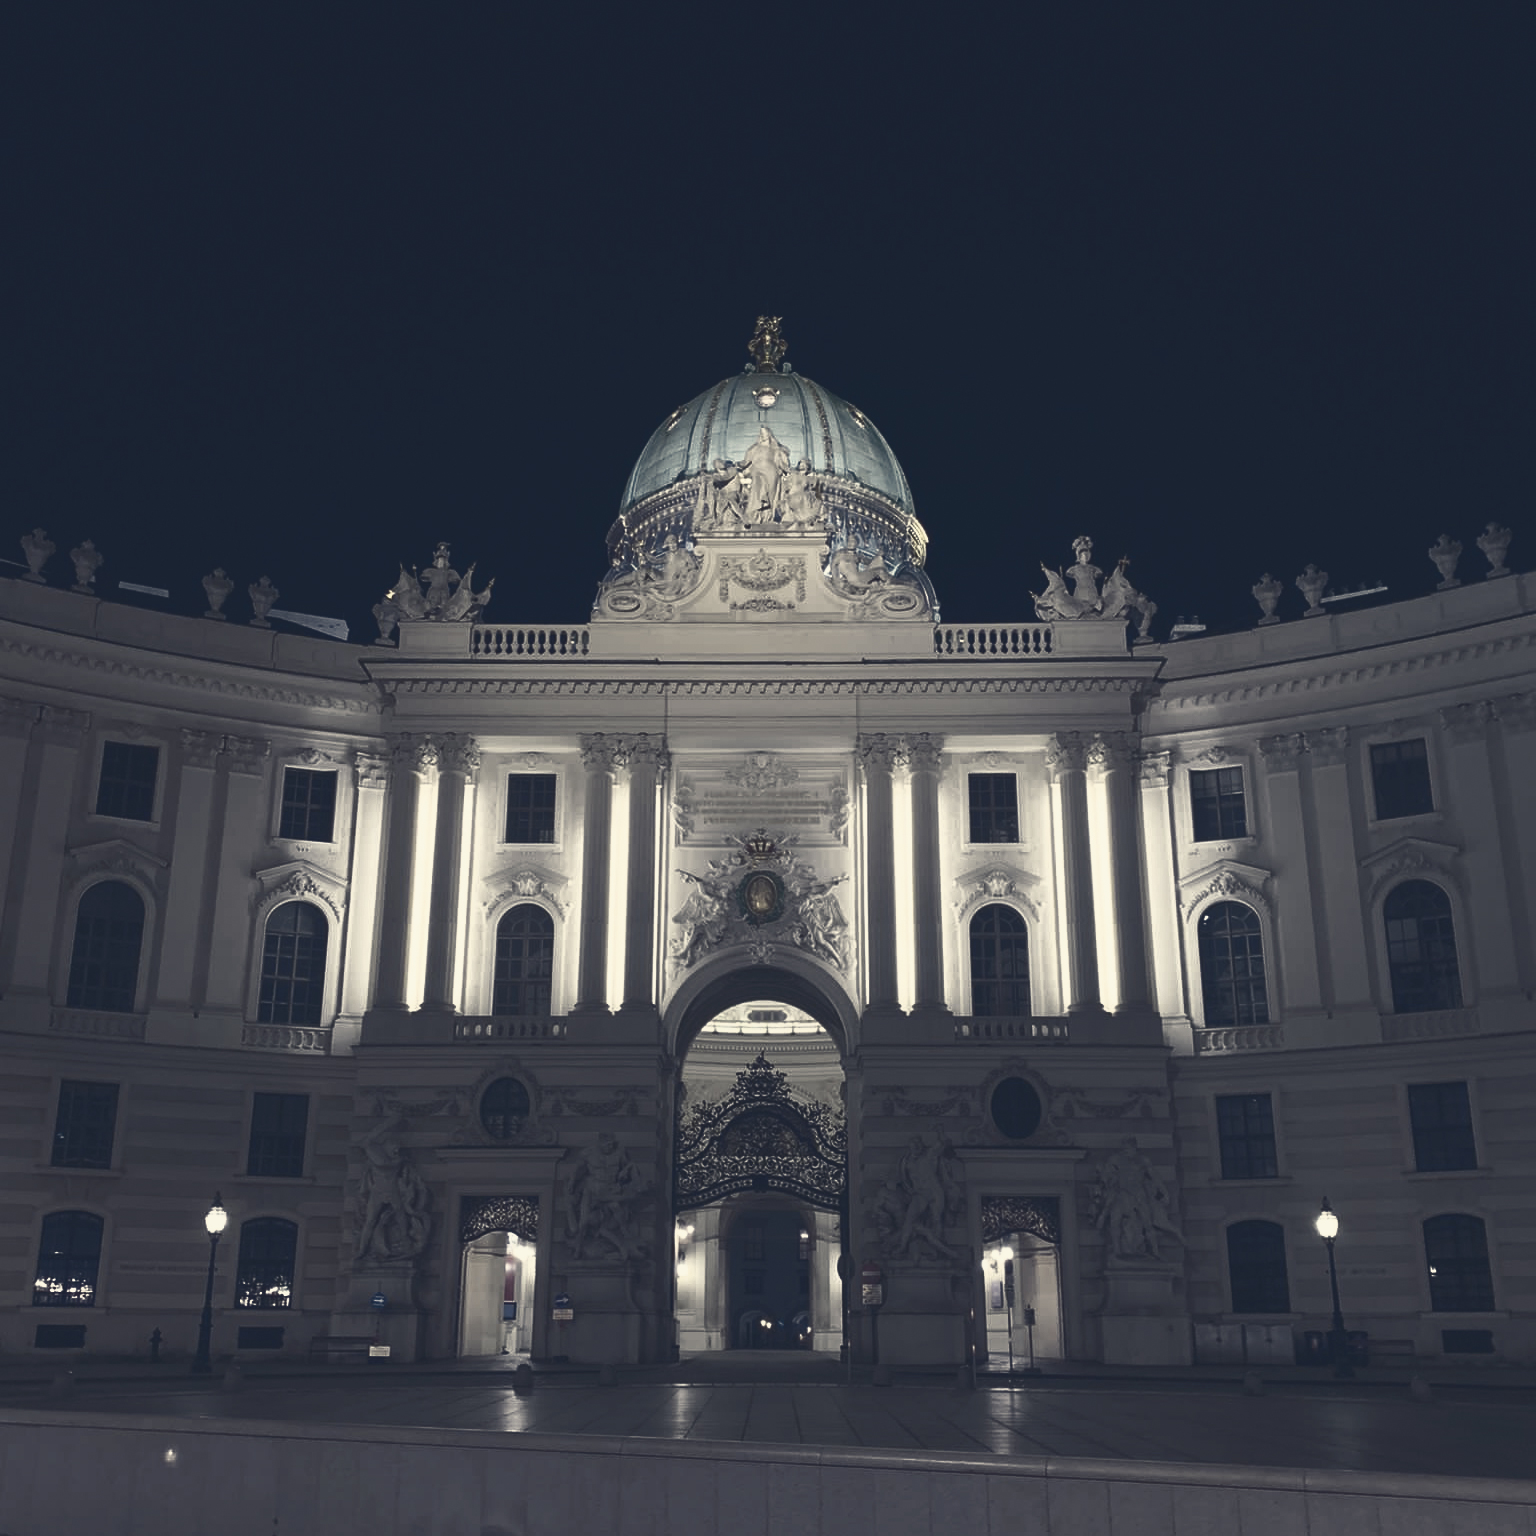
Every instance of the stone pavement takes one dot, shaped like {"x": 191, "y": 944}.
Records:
{"x": 1475, "y": 1428}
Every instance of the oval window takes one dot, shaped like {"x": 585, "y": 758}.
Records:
{"x": 1016, "y": 1109}
{"x": 504, "y": 1107}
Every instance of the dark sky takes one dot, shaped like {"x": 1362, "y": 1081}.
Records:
{"x": 303, "y": 289}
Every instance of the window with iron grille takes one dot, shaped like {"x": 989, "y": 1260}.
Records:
{"x": 126, "y": 788}
{"x": 994, "y": 807}
{"x": 1400, "y": 779}
{"x": 309, "y": 806}
{"x": 293, "y": 965}
{"x": 1421, "y": 948}
{"x": 1245, "y": 1125}
{"x": 264, "y": 1272}
{"x": 1441, "y": 1117}
{"x": 68, "y": 1257}
{"x": 1232, "y": 980}
{"x": 530, "y": 808}
{"x": 1456, "y": 1251}
{"x": 279, "y": 1124}
{"x": 1216, "y": 804}
{"x": 525, "y": 962}
{"x": 1256, "y": 1267}
{"x": 999, "y": 963}
{"x": 85, "y": 1125}
{"x": 104, "y": 963}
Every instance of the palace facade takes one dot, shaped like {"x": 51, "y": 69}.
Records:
{"x": 765, "y": 962}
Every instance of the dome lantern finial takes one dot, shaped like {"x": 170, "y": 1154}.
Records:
{"x": 767, "y": 347}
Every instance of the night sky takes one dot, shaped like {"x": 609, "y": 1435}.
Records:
{"x": 302, "y": 290}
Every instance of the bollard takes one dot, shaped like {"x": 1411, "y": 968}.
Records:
{"x": 1252, "y": 1386}
{"x": 522, "y": 1378}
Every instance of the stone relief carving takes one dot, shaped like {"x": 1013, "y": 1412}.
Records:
{"x": 926, "y": 1195}
{"x": 1131, "y": 1205}
{"x": 1282, "y": 754}
{"x": 881, "y": 752}
{"x": 65, "y": 726}
{"x": 604, "y": 1187}
{"x": 1467, "y": 722}
{"x": 684, "y": 808}
{"x": 414, "y": 754}
{"x": 457, "y": 753}
{"x": 1155, "y": 768}
{"x": 1411, "y": 856}
{"x": 874, "y": 590}
{"x": 762, "y": 770}
{"x": 527, "y": 883}
{"x": 1240, "y": 882}
{"x": 762, "y": 574}
{"x": 1112, "y": 749}
{"x": 396, "y": 1219}
{"x": 1066, "y": 752}
{"x": 372, "y": 770}
{"x": 1517, "y": 711}
{"x": 651, "y": 588}
{"x": 116, "y": 856}
{"x": 298, "y": 885}
{"x": 804, "y": 912}
{"x": 1116, "y": 601}
{"x": 1078, "y": 1104}
{"x": 995, "y": 884}
{"x": 438, "y": 593}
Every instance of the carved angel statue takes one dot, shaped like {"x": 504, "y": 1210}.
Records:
{"x": 604, "y": 1187}
{"x": 800, "y": 506}
{"x": 396, "y": 1219}
{"x": 927, "y": 1193}
{"x": 820, "y": 925}
{"x": 702, "y": 919}
{"x": 1121, "y": 598}
{"x": 1131, "y": 1204}
{"x": 846, "y": 575}
{"x": 671, "y": 573}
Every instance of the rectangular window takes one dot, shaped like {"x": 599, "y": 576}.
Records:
{"x": 1400, "y": 777}
{"x": 126, "y": 788}
{"x": 530, "y": 808}
{"x": 994, "y": 805}
{"x": 83, "y": 1131}
{"x": 1245, "y": 1124}
{"x": 1441, "y": 1116}
{"x": 309, "y": 806}
{"x": 278, "y": 1122}
{"x": 1216, "y": 804}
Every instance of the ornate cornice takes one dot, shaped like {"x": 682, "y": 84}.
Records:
{"x": 140, "y": 671}
{"x": 1228, "y": 878}
{"x": 525, "y": 883}
{"x": 998, "y": 883}
{"x": 768, "y": 687}
{"x": 301, "y": 881}
{"x": 1411, "y": 856}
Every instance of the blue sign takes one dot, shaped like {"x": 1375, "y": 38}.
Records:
{"x": 379, "y": 1301}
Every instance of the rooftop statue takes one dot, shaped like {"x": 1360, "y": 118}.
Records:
{"x": 87, "y": 561}
{"x": 438, "y": 592}
{"x": 1085, "y": 600}
{"x": 767, "y": 462}
{"x": 37, "y": 547}
{"x": 800, "y": 502}
{"x": 767, "y": 347}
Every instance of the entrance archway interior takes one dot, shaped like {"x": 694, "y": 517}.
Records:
{"x": 1022, "y": 1273}
{"x": 496, "y": 1305}
{"x": 762, "y": 1091}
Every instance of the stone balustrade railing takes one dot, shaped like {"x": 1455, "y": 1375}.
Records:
{"x": 540, "y": 642}
{"x": 103, "y": 1025}
{"x": 1002, "y": 640}
{"x": 286, "y": 1037}
{"x": 489, "y": 1031}
{"x": 1241, "y": 1037}
{"x": 1049, "y": 1031}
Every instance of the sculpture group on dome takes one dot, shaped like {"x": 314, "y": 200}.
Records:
{"x": 1086, "y": 600}
{"x": 761, "y": 490}
{"x": 651, "y": 587}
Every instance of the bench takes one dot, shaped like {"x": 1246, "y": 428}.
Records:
{"x": 329, "y": 1345}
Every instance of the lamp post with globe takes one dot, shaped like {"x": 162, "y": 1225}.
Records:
{"x": 215, "y": 1221}
{"x": 1327, "y": 1225}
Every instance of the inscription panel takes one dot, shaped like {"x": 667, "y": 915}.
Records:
{"x": 725, "y": 795}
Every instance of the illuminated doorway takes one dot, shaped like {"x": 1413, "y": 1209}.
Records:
{"x": 1021, "y": 1279}
{"x": 497, "y": 1276}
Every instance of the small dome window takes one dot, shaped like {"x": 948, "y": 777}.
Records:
{"x": 1016, "y": 1109}
{"x": 504, "y": 1108}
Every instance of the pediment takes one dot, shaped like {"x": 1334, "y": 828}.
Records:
{"x": 1226, "y": 877}
{"x": 997, "y": 882}
{"x": 1409, "y": 855}
{"x": 524, "y": 882}
{"x": 115, "y": 848}
{"x": 299, "y": 880}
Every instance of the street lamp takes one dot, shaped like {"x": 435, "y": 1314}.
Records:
{"x": 215, "y": 1221}
{"x": 1327, "y": 1225}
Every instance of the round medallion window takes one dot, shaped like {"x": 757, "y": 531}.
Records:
{"x": 504, "y": 1108}
{"x": 1016, "y": 1109}
{"x": 761, "y": 897}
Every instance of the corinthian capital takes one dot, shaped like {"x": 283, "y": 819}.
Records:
{"x": 1111, "y": 749}
{"x": 881, "y": 753}
{"x": 1066, "y": 751}
{"x": 646, "y": 753}
{"x": 925, "y": 752}
{"x": 414, "y": 754}
{"x": 458, "y": 753}
{"x": 602, "y": 753}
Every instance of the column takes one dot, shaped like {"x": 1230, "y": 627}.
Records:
{"x": 1066, "y": 755}
{"x": 600, "y": 756}
{"x": 243, "y": 834}
{"x": 458, "y": 761}
{"x": 186, "y": 931}
{"x": 44, "y": 831}
{"x": 924, "y": 753}
{"x": 1345, "y": 966}
{"x": 1473, "y": 803}
{"x": 1112, "y": 757}
{"x": 414, "y": 757}
{"x": 648, "y": 762}
{"x": 1517, "y": 771}
{"x": 1162, "y": 888}
{"x": 371, "y": 779}
{"x": 880, "y": 755}
{"x": 1295, "y": 935}
{"x": 17, "y": 718}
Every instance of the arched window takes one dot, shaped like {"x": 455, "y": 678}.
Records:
{"x": 67, "y": 1260}
{"x": 293, "y": 965}
{"x": 1421, "y": 948}
{"x": 525, "y": 962}
{"x": 104, "y": 964}
{"x": 1256, "y": 1266}
{"x": 1232, "y": 965}
{"x": 999, "y": 963}
{"x": 264, "y": 1274}
{"x": 1456, "y": 1251}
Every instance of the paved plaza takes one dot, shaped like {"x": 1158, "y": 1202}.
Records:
{"x": 1468, "y": 1429}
